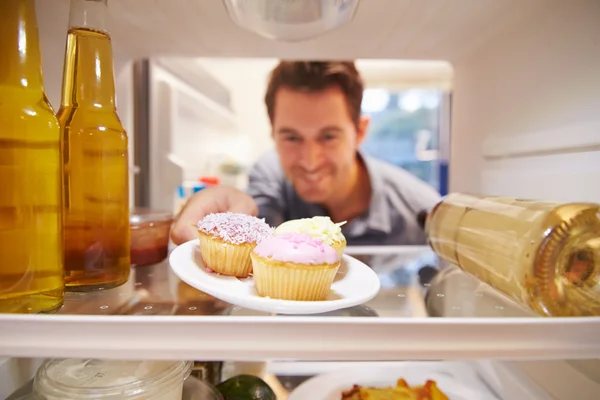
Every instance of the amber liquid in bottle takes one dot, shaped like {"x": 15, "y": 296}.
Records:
{"x": 543, "y": 255}
{"x": 31, "y": 273}
{"x": 95, "y": 166}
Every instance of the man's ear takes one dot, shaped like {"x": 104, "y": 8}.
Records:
{"x": 362, "y": 129}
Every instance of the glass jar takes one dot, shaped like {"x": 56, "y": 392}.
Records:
{"x": 79, "y": 379}
{"x": 149, "y": 235}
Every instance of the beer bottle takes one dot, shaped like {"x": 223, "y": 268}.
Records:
{"x": 31, "y": 273}
{"x": 95, "y": 156}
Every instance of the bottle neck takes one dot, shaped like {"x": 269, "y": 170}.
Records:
{"x": 88, "y": 78}
{"x": 20, "y": 59}
{"x": 91, "y": 14}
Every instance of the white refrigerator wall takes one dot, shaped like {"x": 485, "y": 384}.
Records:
{"x": 526, "y": 109}
{"x": 246, "y": 80}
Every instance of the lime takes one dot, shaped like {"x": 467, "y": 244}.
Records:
{"x": 246, "y": 387}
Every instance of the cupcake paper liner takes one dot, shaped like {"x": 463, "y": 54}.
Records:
{"x": 290, "y": 281}
{"x": 339, "y": 247}
{"x": 226, "y": 258}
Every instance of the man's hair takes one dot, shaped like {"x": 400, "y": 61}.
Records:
{"x": 316, "y": 76}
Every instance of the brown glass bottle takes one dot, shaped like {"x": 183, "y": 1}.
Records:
{"x": 95, "y": 157}
{"x": 31, "y": 273}
{"x": 544, "y": 255}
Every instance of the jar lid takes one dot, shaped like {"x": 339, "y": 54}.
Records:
{"x": 146, "y": 215}
{"x": 108, "y": 379}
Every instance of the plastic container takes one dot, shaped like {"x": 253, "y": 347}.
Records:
{"x": 196, "y": 389}
{"x": 75, "y": 379}
{"x": 149, "y": 236}
{"x": 209, "y": 180}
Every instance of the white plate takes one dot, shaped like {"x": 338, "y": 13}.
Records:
{"x": 354, "y": 284}
{"x": 456, "y": 383}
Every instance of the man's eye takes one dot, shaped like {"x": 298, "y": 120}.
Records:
{"x": 291, "y": 139}
{"x": 328, "y": 138}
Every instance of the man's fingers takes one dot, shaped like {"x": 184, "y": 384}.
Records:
{"x": 211, "y": 200}
{"x": 244, "y": 206}
{"x": 184, "y": 228}
{"x": 182, "y": 233}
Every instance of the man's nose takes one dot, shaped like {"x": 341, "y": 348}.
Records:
{"x": 311, "y": 156}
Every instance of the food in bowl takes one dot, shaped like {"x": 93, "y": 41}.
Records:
{"x": 149, "y": 230}
{"x": 402, "y": 391}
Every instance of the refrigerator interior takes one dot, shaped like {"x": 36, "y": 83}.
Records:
{"x": 523, "y": 119}
{"x": 201, "y": 117}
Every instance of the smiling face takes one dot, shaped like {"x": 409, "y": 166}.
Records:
{"x": 317, "y": 142}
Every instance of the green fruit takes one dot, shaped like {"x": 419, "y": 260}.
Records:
{"x": 246, "y": 387}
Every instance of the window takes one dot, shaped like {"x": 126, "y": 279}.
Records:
{"x": 406, "y": 131}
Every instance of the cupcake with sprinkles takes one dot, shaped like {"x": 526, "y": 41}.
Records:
{"x": 322, "y": 228}
{"x": 294, "y": 266}
{"x": 227, "y": 239}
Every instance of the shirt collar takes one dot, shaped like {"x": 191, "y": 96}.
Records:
{"x": 375, "y": 218}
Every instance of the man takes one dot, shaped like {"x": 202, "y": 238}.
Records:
{"x": 317, "y": 168}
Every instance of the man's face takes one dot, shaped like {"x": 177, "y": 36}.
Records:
{"x": 317, "y": 141}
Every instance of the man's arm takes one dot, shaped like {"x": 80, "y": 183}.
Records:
{"x": 418, "y": 197}
{"x": 265, "y": 185}
{"x": 408, "y": 196}
{"x": 421, "y": 196}
{"x": 264, "y": 196}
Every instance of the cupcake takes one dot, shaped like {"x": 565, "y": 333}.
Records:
{"x": 321, "y": 228}
{"x": 294, "y": 266}
{"x": 227, "y": 239}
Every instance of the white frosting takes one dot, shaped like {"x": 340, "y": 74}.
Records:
{"x": 321, "y": 228}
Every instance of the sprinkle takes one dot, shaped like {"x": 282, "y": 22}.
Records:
{"x": 235, "y": 228}
{"x": 299, "y": 238}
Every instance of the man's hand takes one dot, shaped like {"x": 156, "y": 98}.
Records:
{"x": 210, "y": 200}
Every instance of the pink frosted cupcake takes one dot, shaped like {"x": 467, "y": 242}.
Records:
{"x": 294, "y": 266}
{"x": 227, "y": 239}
